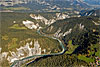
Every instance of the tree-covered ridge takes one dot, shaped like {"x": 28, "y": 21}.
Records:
{"x": 78, "y": 26}
{"x": 59, "y": 61}
{"x": 82, "y": 37}
{"x": 87, "y": 39}
{"x": 89, "y": 47}
{"x": 83, "y": 55}
{"x": 85, "y": 52}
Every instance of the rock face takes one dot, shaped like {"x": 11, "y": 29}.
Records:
{"x": 22, "y": 52}
{"x": 67, "y": 32}
{"x": 39, "y": 17}
{"x": 96, "y": 23}
{"x": 81, "y": 26}
{"x": 30, "y": 24}
{"x": 59, "y": 34}
{"x": 59, "y": 16}
{"x": 25, "y": 51}
{"x": 3, "y": 55}
{"x": 0, "y": 50}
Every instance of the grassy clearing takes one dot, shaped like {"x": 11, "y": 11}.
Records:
{"x": 70, "y": 47}
{"x": 84, "y": 58}
{"x": 16, "y": 26}
{"x": 98, "y": 53}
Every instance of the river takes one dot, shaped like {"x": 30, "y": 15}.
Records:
{"x": 43, "y": 55}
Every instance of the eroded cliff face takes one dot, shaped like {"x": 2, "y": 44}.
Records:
{"x": 58, "y": 16}
{"x": 29, "y": 49}
{"x": 48, "y": 22}
{"x": 31, "y": 25}
{"x": 25, "y": 51}
{"x": 67, "y": 27}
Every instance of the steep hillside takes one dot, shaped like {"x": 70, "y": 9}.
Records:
{"x": 86, "y": 54}
{"x": 73, "y": 26}
{"x": 61, "y": 60}
{"x": 81, "y": 36}
{"x": 18, "y": 40}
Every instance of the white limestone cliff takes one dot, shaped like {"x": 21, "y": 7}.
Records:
{"x": 22, "y": 52}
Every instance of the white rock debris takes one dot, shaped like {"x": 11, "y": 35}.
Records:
{"x": 79, "y": 16}
{"x": 14, "y": 21}
{"x": 77, "y": 12}
{"x": 68, "y": 32}
{"x": 24, "y": 51}
{"x": 31, "y": 43}
{"x": 95, "y": 14}
{"x": 30, "y": 24}
{"x": 51, "y": 21}
{"x": 39, "y": 17}
{"x": 42, "y": 2}
{"x": 3, "y": 55}
{"x": 53, "y": 7}
{"x": 44, "y": 50}
{"x": 0, "y": 50}
{"x": 59, "y": 16}
{"x": 50, "y": 28}
{"x": 81, "y": 26}
{"x": 96, "y": 23}
{"x": 58, "y": 34}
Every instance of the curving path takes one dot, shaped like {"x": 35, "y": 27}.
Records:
{"x": 43, "y": 55}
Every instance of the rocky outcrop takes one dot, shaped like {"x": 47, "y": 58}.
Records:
{"x": 22, "y": 52}
{"x": 81, "y": 26}
{"x": 31, "y": 25}
{"x": 25, "y": 51}
{"x": 96, "y": 23}
{"x": 59, "y": 16}
{"x": 67, "y": 32}
{"x": 39, "y": 17}
{"x": 3, "y": 55}
{"x": 59, "y": 33}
